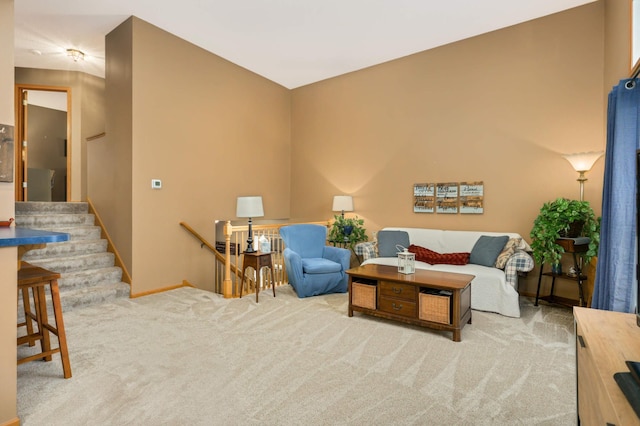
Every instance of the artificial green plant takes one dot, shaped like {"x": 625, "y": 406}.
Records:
{"x": 337, "y": 230}
{"x": 554, "y": 220}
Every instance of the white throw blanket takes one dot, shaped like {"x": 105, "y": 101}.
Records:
{"x": 490, "y": 289}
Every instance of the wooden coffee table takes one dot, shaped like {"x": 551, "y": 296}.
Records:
{"x": 432, "y": 299}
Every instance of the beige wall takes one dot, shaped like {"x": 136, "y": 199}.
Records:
{"x": 8, "y": 255}
{"x": 110, "y": 175}
{"x": 93, "y": 122}
{"x": 499, "y": 108}
{"x": 210, "y": 130}
{"x": 617, "y": 64}
{"x": 87, "y": 114}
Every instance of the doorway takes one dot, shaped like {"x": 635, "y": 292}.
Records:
{"x": 43, "y": 126}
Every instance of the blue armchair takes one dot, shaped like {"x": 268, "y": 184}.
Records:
{"x": 313, "y": 267}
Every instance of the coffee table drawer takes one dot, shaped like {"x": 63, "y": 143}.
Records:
{"x": 399, "y": 291}
{"x": 398, "y": 307}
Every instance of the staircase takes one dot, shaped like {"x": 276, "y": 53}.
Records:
{"x": 88, "y": 274}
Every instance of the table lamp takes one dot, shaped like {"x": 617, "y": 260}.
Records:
{"x": 343, "y": 203}
{"x": 249, "y": 207}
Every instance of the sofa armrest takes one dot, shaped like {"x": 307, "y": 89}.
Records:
{"x": 520, "y": 261}
{"x": 367, "y": 250}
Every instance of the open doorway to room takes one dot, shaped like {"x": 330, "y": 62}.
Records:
{"x": 43, "y": 157}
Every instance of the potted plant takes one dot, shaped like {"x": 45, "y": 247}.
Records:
{"x": 347, "y": 230}
{"x": 563, "y": 218}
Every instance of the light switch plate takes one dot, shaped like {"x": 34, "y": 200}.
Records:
{"x": 156, "y": 183}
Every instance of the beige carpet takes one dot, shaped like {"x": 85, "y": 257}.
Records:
{"x": 189, "y": 357}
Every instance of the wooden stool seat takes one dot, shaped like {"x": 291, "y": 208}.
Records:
{"x": 36, "y": 279}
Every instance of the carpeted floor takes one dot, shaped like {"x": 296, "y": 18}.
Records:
{"x": 190, "y": 357}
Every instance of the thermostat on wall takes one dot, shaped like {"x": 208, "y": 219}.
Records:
{"x": 156, "y": 183}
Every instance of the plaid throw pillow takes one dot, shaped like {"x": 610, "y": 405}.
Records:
{"x": 508, "y": 250}
{"x": 434, "y": 258}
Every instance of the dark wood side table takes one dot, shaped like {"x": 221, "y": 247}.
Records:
{"x": 257, "y": 260}
{"x": 575, "y": 247}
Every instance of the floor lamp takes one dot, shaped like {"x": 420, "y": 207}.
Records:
{"x": 582, "y": 162}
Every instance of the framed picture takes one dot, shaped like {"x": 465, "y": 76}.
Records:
{"x": 472, "y": 197}
{"x": 447, "y": 197}
{"x": 423, "y": 198}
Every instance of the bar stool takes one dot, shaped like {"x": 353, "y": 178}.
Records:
{"x": 36, "y": 279}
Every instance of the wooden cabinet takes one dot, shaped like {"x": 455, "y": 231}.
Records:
{"x": 604, "y": 341}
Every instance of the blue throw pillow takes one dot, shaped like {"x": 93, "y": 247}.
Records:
{"x": 486, "y": 250}
{"x": 387, "y": 241}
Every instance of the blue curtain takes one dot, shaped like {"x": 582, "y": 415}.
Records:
{"x": 615, "y": 283}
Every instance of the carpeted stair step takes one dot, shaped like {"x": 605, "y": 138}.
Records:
{"x": 24, "y": 208}
{"x": 89, "y": 278}
{"x": 67, "y": 248}
{"x": 63, "y": 265}
{"x": 82, "y": 296}
{"x": 52, "y": 222}
{"x": 94, "y": 294}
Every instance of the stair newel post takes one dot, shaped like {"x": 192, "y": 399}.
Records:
{"x": 227, "y": 290}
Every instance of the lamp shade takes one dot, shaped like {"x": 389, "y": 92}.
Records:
{"x": 583, "y": 161}
{"x": 249, "y": 207}
{"x": 342, "y": 203}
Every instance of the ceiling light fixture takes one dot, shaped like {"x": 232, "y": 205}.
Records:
{"x": 75, "y": 54}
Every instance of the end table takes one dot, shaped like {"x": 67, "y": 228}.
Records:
{"x": 575, "y": 247}
{"x": 257, "y": 260}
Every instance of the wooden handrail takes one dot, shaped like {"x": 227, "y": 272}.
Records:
{"x": 204, "y": 243}
{"x": 227, "y": 286}
{"x": 200, "y": 237}
{"x": 94, "y": 137}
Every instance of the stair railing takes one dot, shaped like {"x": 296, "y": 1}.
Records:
{"x": 222, "y": 275}
{"x": 227, "y": 269}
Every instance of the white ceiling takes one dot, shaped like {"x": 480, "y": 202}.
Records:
{"x": 291, "y": 42}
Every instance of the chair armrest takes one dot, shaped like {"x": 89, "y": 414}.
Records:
{"x": 367, "y": 250}
{"x": 520, "y": 261}
{"x": 293, "y": 263}
{"x": 338, "y": 255}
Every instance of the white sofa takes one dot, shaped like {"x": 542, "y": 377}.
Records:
{"x": 492, "y": 289}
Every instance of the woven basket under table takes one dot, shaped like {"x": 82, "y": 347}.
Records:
{"x": 435, "y": 308}
{"x": 363, "y": 295}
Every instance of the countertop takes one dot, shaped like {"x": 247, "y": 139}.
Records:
{"x": 13, "y": 236}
